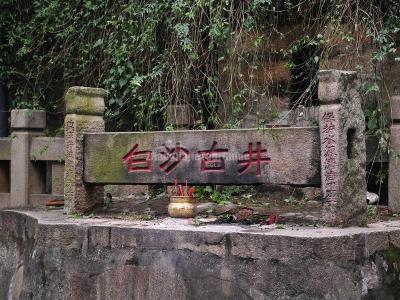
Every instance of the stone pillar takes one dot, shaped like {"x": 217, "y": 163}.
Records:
{"x": 394, "y": 157}
{"x": 57, "y": 178}
{"x": 85, "y": 108}
{"x": 26, "y": 177}
{"x": 343, "y": 158}
{"x": 180, "y": 116}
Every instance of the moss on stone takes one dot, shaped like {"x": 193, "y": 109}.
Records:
{"x": 393, "y": 254}
{"x": 86, "y": 101}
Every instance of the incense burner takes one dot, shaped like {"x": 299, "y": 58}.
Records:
{"x": 182, "y": 207}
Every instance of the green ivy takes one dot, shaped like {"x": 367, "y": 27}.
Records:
{"x": 149, "y": 54}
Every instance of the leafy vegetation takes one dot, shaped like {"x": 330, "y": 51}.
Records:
{"x": 149, "y": 54}
{"x": 222, "y": 195}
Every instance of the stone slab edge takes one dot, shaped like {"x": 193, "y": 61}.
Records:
{"x": 28, "y": 119}
{"x": 245, "y": 242}
{"x": 47, "y": 149}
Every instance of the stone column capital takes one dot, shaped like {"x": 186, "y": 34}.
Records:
{"x": 85, "y": 101}
{"x": 28, "y": 119}
{"x": 334, "y": 84}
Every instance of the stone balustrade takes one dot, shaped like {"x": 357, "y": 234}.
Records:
{"x": 31, "y": 165}
{"x": 333, "y": 156}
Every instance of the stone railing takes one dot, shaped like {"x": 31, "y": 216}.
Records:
{"x": 333, "y": 155}
{"x": 31, "y": 165}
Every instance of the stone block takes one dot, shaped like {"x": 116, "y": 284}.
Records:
{"x": 395, "y": 107}
{"x": 343, "y": 158}
{"x": 28, "y": 119}
{"x": 334, "y": 84}
{"x": 57, "y": 178}
{"x": 47, "y": 149}
{"x": 85, "y": 101}
{"x": 180, "y": 115}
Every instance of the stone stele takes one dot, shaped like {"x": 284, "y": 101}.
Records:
{"x": 343, "y": 158}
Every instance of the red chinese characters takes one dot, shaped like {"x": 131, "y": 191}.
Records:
{"x": 138, "y": 161}
{"x": 211, "y": 159}
{"x": 173, "y": 157}
{"x": 254, "y": 158}
{"x": 328, "y": 122}
{"x": 329, "y": 152}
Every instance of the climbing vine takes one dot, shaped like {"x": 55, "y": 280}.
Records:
{"x": 224, "y": 58}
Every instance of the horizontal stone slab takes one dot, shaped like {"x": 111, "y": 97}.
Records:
{"x": 28, "y": 119}
{"x": 245, "y": 156}
{"x": 5, "y": 149}
{"x": 47, "y": 149}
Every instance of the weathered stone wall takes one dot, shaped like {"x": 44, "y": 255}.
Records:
{"x": 268, "y": 87}
{"x": 50, "y": 257}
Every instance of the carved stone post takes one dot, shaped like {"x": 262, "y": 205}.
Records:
{"x": 180, "y": 116}
{"x": 394, "y": 157}
{"x": 343, "y": 158}
{"x": 85, "y": 108}
{"x": 25, "y": 175}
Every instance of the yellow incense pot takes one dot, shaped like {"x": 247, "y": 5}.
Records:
{"x": 182, "y": 207}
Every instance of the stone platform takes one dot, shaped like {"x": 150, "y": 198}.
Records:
{"x": 48, "y": 255}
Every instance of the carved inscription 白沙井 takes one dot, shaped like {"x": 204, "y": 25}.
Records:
{"x": 212, "y": 159}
